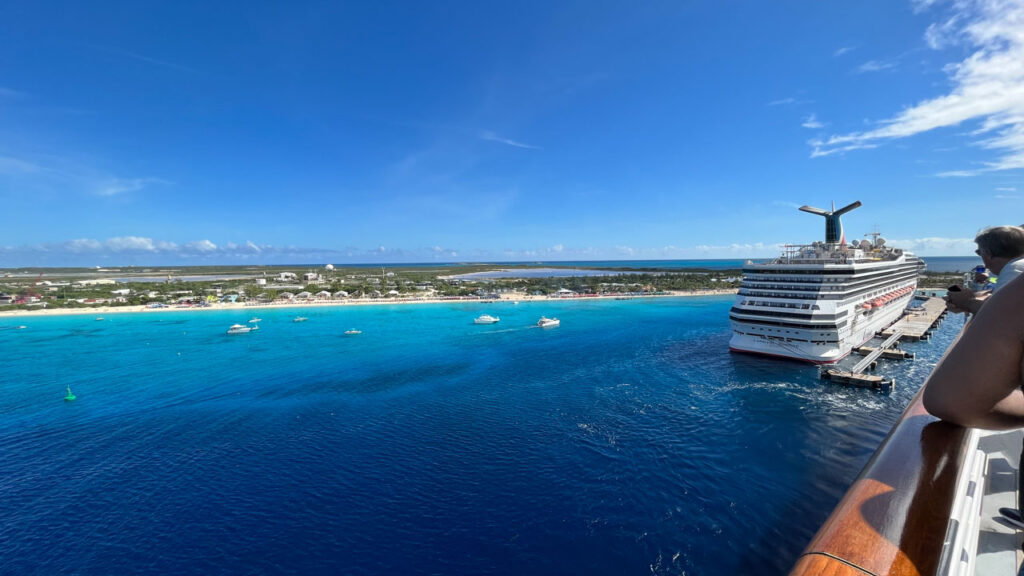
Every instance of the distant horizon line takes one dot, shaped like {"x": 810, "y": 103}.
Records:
{"x": 386, "y": 264}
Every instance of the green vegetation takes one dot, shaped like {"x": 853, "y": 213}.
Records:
{"x": 73, "y": 288}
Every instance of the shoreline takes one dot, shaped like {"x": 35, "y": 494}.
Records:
{"x": 101, "y": 310}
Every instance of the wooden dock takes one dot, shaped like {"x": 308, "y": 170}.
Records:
{"x": 916, "y": 324}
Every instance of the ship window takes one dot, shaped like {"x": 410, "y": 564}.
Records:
{"x": 815, "y": 307}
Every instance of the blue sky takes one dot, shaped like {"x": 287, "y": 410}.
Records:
{"x": 199, "y": 132}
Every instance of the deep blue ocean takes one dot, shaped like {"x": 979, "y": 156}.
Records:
{"x": 626, "y": 441}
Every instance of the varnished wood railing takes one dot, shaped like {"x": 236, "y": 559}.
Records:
{"x": 893, "y": 519}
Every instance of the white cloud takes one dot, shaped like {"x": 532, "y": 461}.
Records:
{"x": 201, "y": 246}
{"x": 843, "y": 50}
{"x": 9, "y": 165}
{"x": 130, "y": 244}
{"x": 876, "y": 66}
{"x": 812, "y": 122}
{"x": 117, "y": 186}
{"x": 922, "y": 5}
{"x": 935, "y": 246}
{"x": 82, "y": 245}
{"x": 1006, "y": 197}
{"x": 987, "y": 86}
{"x": 491, "y": 136}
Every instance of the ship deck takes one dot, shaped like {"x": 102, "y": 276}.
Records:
{"x": 999, "y": 543}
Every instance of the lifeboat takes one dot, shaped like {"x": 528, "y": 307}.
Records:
{"x": 866, "y": 306}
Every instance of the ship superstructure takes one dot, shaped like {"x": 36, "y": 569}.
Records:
{"x": 817, "y": 302}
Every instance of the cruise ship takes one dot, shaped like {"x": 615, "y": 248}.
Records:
{"x": 817, "y": 302}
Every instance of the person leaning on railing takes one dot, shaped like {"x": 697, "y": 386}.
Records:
{"x": 1002, "y": 251}
{"x": 978, "y": 382}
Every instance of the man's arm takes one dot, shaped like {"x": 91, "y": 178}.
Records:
{"x": 978, "y": 382}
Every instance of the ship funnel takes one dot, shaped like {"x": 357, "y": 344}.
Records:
{"x": 833, "y": 226}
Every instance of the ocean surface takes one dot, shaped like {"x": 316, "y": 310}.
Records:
{"x": 626, "y": 441}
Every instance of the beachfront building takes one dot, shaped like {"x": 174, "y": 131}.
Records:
{"x": 323, "y": 295}
{"x": 341, "y": 294}
{"x": 286, "y": 296}
{"x": 303, "y": 296}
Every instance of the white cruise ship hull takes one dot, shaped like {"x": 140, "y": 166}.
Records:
{"x": 755, "y": 339}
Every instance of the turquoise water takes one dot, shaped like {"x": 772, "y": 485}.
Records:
{"x": 626, "y": 441}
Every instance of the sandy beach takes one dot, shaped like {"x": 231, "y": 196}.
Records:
{"x": 104, "y": 310}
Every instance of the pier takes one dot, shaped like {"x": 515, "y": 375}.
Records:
{"x": 915, "y": 325}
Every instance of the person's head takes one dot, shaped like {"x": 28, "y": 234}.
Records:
{"x": 998, "y": 245}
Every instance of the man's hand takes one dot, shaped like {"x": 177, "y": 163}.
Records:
{"x": 960, "y": 300}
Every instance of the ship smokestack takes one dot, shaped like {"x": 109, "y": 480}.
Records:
{"x": 833, "y": 225}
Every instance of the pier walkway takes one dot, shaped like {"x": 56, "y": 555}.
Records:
{"x": 916, "y": 324}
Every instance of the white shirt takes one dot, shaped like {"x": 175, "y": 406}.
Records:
{"x": 1012, "y": 269}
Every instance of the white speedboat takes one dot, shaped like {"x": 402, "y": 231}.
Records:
{"x": 255, "y": 320}
{"x": 242, "y": 329}
{"x": 486, "y": 319}
{"x": 546, "y": 322}
{"x": 300, "y": 319}
{"x": 353, "y": 332}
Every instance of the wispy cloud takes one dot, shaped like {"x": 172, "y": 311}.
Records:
{"x": 922, "y": 5}
{"x": 876, "y": 66}
{"x": 988, "y": 86}
{"x": 843, "y": 50}
{"x": 9, "y": 165}
{"x": 147, "y": 59}
{"x": 1006, "y": 189}
{"x": 11, "y": 93}
{"x": 812, "y": 122}
{"x": 491, "y": 136}
{"x": 117, "y": 186}
{"x": 1006, "y": 197}
{"x": 936, "y": 246}
{"x": 791, "y": 101}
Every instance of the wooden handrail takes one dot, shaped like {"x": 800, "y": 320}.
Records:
{"x": 893, "y": 519}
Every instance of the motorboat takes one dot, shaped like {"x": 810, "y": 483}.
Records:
{"x": 486, "y": 319}
{"x": 546, "y": 322}
{"x": 242, "y": 329}
{"x": 300, "y": 319}
{"x": 353, "y": 332}
{"x": 255, "y": 320}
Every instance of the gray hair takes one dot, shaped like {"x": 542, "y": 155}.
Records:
{"x": 1002, "y": 241}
